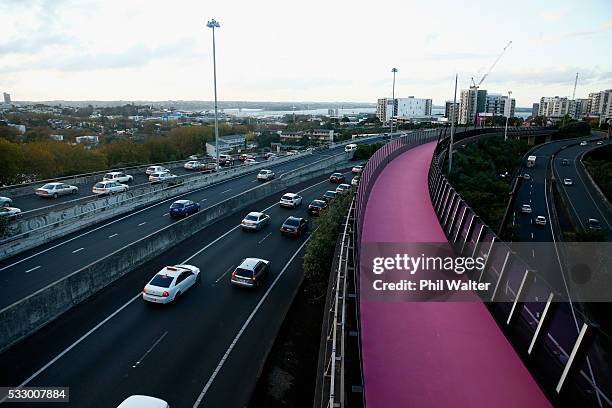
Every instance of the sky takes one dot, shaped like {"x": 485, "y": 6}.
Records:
{"x": 317, "y": 50}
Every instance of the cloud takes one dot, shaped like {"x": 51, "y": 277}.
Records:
{"x": 555, "y": 15}
{"x": 556, "y": 37}
{"x": 553, "y": 76}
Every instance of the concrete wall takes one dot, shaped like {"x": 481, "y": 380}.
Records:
{"x": 33, "y": 312}
{"x": 31, "y": 232}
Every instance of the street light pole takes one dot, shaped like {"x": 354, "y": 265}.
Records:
{"x": 508, "y": 116}
{"x": 394, "y": 70}
{"x": 215, "y": 24}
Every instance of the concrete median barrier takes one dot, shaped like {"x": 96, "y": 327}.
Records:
{"x": 43, "y": 306}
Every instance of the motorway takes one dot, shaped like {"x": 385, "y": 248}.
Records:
{"x": 32, "y": 270}
{"x": 207, "y": 348}
{"x": 584, "y": 201}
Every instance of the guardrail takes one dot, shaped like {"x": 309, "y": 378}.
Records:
{"x": 552, "y": 336}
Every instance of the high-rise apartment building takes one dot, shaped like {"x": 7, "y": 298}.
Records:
{"x": 403, "y": 108}
{"x": 498, "y": 105}
{"x": 449, "y": 111}
{"x": 555, "y": 107}
{"x": 7, "y": 98}
{"x": 471, "y": 102}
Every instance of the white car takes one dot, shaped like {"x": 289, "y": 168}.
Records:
{"x": 265, "y": 175}
{"x": 599, "y": 143}
{"x": 170, "y": 283}
{"x": 162, "y": 177}
{"x": 343, "y": 188}
{"x": 9, "y": 212}
{"x": 255, "y": 221}
{"x": 526, "y": 209}
{"x": 583, "y": 143}
{"x": 156, "y": 169}
{"x": 55, "y": 190}
{"x": 567, "y": 182}
{"x": 290, "y": 200}
{"x": 118, "y": 176}
{"x": 250, "y": 161}
{"x": 193, "y": 165}
{"x": 109, "y": 187}
{"x": 527, "y": 176}
{"x": 355, "y": 180}
{"x": 5, "y": 202}
{"x": 143, "y": 401}
{"x": 350, "y": 147}
{"x": 540, "y": 220}
{"x": 357, "y": 169}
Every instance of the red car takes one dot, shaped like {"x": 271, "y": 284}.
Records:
{"x": 316, "y": 207}
{"x": 337, "y": 178}
{"x": 294, "y": 226}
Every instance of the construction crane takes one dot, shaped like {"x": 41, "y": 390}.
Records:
{"x": 476, "y": 86}
{"x": 575, "y": 83}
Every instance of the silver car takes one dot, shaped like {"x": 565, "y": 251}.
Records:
{"x": 156, "y": 169}
{"x": 5, "y": 202}
{"x": 255, "y": 221}
{"x": 55, "y": 190}
{"x": 250, "y": 272}
{"x": 162, "y": 178}
{"x": 109, "y": 187}
{"x": 9, "y": 212}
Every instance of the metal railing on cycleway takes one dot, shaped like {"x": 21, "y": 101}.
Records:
{"x": 569, "y": 355}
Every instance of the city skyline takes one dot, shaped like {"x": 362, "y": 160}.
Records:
{"x": 54, "y": 50}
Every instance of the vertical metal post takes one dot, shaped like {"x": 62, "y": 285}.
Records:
{"x": 452, "y": 135}
{"x": 572, "y": 357}
{"x": 534, "y": 339}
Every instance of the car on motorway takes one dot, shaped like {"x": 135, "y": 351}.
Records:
{"x": 526, "y": 209}
{"x": 255, "y": 220}
{"x": 250, "y": 161}
{"x": 337, "y": 178}
{"x": 163, "y": 177}
{"x": 170, "y": 283}
{"x": 294, "y": 226}
{"x": 350, "y": 147}
{"x": 226, "y": 160}
{"x": 270, "y": 156}
{"x": 265, "y": 175}
{"x": 583, "y": 143}
{"x": 195, "y": 157}
{"x": 357, "y": 169}
{"x": 156, "y": 169}
{"x": 55, "y": 190}
{"x": 143, "y": 401}
{"x": 10, "y": 212}
{"x": 109, "y": 188}
{"x": 540, "y": 220}
{"x": 599, "y": 143}
{"x": 315, "y": 207}
{"x": 5, "y": 202}
{"x": 183, "y": 208}
{"x": 355, "y": 180}
{"x": 527, "y": 176}
{"x": 193, "y": 165}
{"x": 245, "y": 156}
{"x": 329, "y": 195}
{"x": 565, "y": 162}
{"x": 119, "y": 176}
{"x": 567, "y": 182}
{"x": 250, "y": 272}
{"x": 593, "y": 224}
{"x": 343, "y": 188}
{"x": 290, "y": 200}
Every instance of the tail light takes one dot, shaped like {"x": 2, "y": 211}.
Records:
{"x": 144, "y": 290}
{"x": 165, "y": 294}
{"x": 234, "y": 274}
{"x": 253, "y": 277}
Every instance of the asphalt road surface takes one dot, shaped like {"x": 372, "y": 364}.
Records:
{"x": 206, "y": 349}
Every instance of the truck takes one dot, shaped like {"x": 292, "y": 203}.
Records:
{"x": 531, "y": 161}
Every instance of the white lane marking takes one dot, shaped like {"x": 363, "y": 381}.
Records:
{"x": 113, "y": 236}
{"x": 165, "y": 214}
{"x": 76, "y": 343}
{"x": 33, "y": 269}
{"x": 532, "y": 253}
{"x": 264, "y": 238}
{"x": 223, "y": 274}
{"x": 226, "y": 191}
{"x": 77, "y": 250}
{"x": 141, "y": 359}
{"x": 204, "y": 199}
{"x": 116, "y": 312}
{"x": 244, "y": 326}
{"x": 532, "y": 235}
{"x": 142, "y": 223}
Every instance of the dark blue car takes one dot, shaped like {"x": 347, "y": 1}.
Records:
{"x": 183, "y": 208}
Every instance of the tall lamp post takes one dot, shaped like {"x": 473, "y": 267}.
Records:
{"x": 508, "y": 116}
{"x": 394, "y": 70}
{"x": 215, "y": 24}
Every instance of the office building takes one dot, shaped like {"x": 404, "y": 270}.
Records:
{"x": 471, "y": 102}
{"x": 226, "y": 144}
{"x": 450, "y": 111}
{"x": 7, "y": 98}
{"x": 403, "y": 109}
{"x": 555, "y": 107}
{"x": 534, "y": 110}
{"x": 497, "y": 105}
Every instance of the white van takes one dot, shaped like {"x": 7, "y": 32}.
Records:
{"x": 350, "y": 147}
